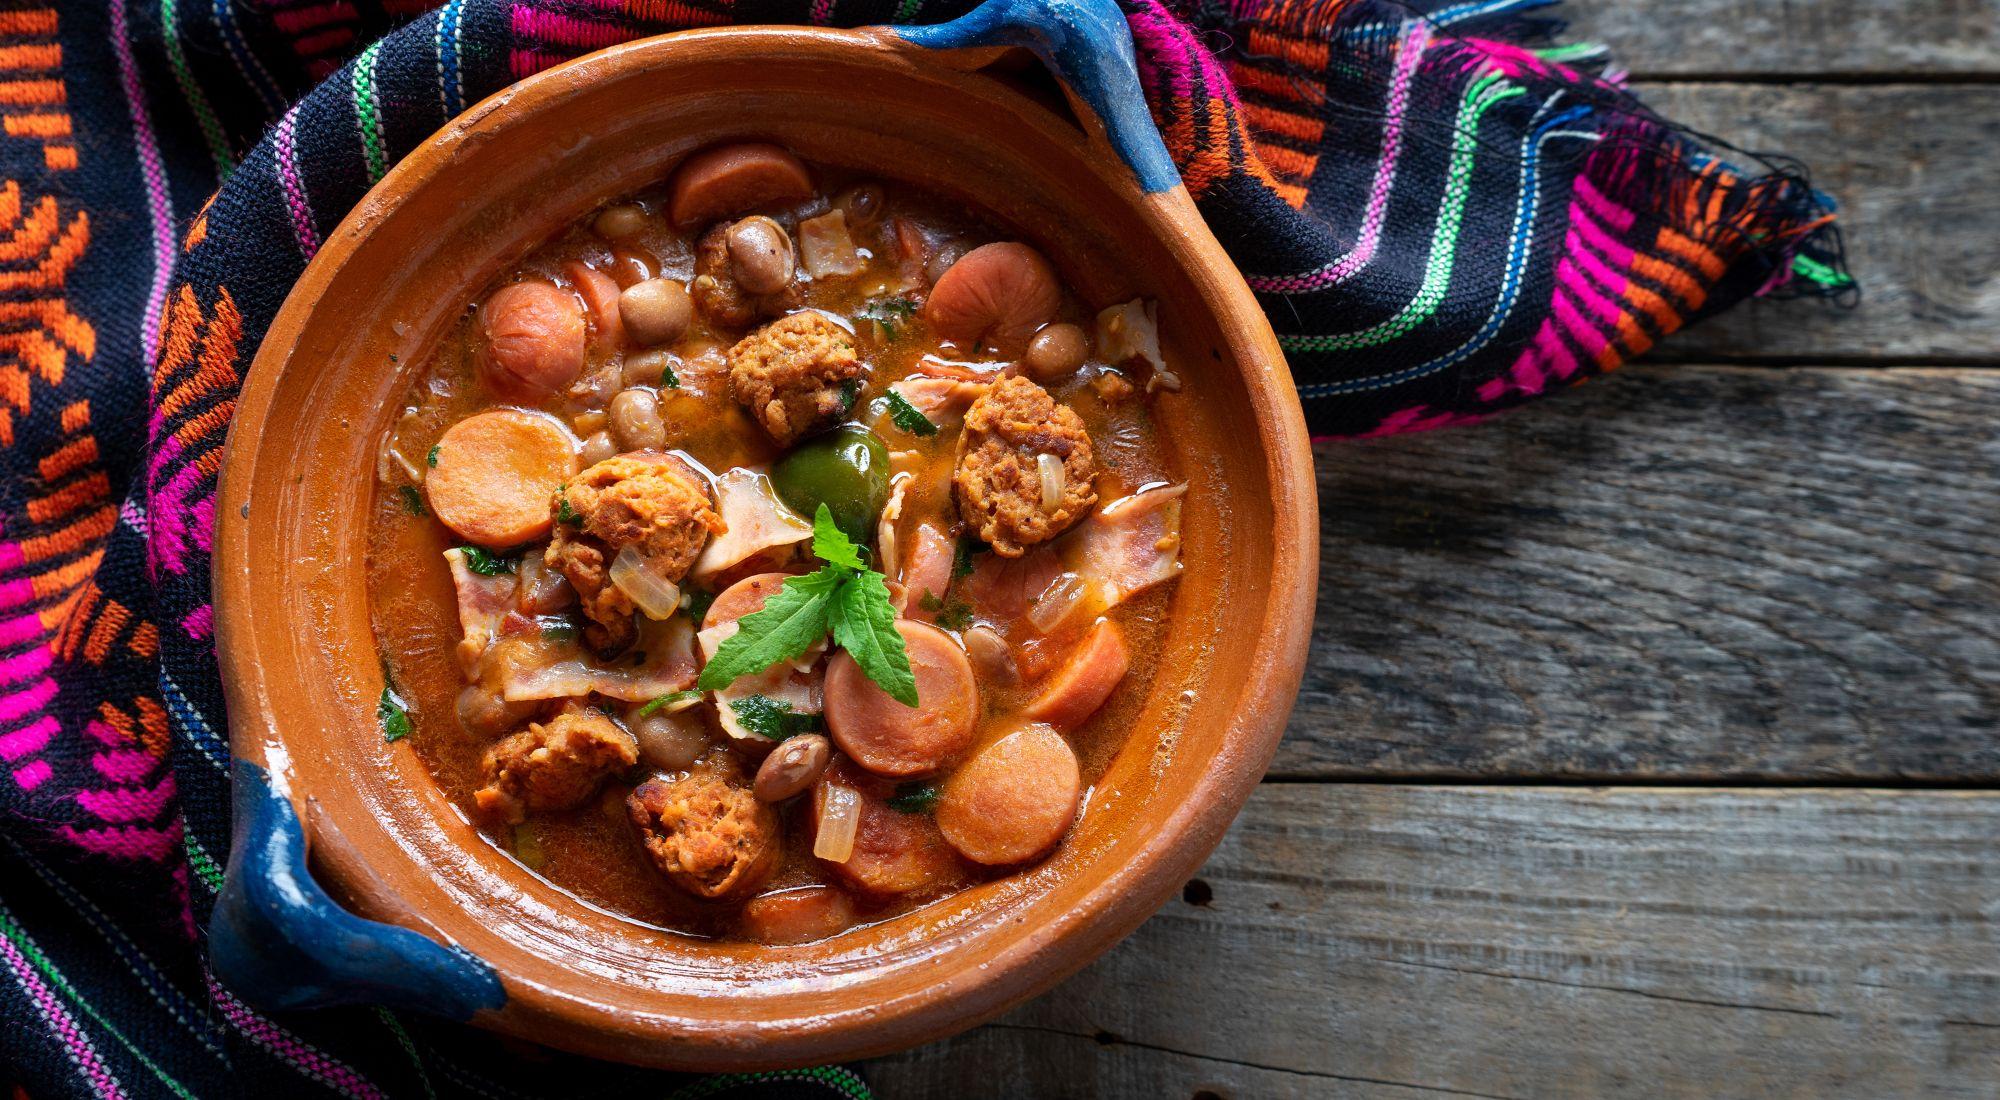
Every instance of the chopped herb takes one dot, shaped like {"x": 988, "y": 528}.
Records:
{"x": 930, "y": 602}
{"x": 908, "y": 417}
{"x": 662, "y": 702}
{"x": 393, "y": 715}
{"x": 850, "y": 392}
{"x": 961, "y": 557}
{"x": 566, "y": 515}
{"x": 914, "y": 798}
{"x": 558, "y": 632}
{"x": 890, "y": 315}
{"x": 698, "y": 600}
{"x": 846, "y": 597}
{"x": 668, "y": 379}
{"x": 413, "y": 501}
{"x": 431, "y": 459}
{"x": 772, "y": 718}
{"x": 485, "y": 562}
{"x": 956, "y": 615}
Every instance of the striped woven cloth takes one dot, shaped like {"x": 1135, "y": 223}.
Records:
{"x": 1446, "y": 213}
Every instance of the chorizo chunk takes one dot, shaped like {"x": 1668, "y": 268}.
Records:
{"x": 651, "y": 501}
{"x": 705, "y": 830}
{"x": 796, "y": 375}
{"x": 553, "y": 765}
{"x": 718, "y": 294}
{"x": 999, "y": 480}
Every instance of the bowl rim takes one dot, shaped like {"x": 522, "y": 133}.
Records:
{"x": 1110, "y": 908}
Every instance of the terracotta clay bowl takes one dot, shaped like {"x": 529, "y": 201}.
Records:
{"x": 303, "y": 672}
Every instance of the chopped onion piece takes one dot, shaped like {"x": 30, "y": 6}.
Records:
{"x": 634, "y": 575}
{"x": 825, "y": 246}
{"x": 839, "y": 820}
{"x": 1053, "y": 479}
{"x": 1056, "y": 602}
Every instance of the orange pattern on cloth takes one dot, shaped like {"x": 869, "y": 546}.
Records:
{"x": 28, "y": 52}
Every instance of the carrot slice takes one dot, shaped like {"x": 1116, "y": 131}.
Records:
{"x": 996, "y": 294}
{"x": 532, "y": 339}
{"x": 599, "y": 292}
{"x": 497, "y": 472}
{"x": 732, "y": 179}
{"x": 1013, "y": 800}
{"x": 888, "y": 738}
{"x": 1083, "y": 684}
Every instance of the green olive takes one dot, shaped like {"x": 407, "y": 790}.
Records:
{"x": 846, "y": 469}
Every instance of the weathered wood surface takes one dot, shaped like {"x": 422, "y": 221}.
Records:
{"x": 1391, "y": 941}
{"x": 1912, "y": 168}
{"x": 1922, "y": 39}
{"x": 1674, "y": 573}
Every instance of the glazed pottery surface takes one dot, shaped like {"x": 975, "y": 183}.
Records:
{"x": 304, "y": 675}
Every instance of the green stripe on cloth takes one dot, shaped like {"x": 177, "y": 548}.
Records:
{"x": 839, "y": 1078}
{"x": 19, "y": 938}
{"x": 204, "y": 116}
{"x": 367, "y": 113}
{"x": 1479, "y": 98}
{"x": 1820, "y": 273}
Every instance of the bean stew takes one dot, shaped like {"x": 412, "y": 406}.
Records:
{"x": 776, "y": 550}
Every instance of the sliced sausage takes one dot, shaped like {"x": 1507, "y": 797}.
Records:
{"x": 997, "y": 294}
{"x": 743, "y": 598}
{"x": 888, "y": 738}
{"x": 495, "y": 473}
{"x": 1086, "y": 680}
{"x": 600, "y": 300}
{"x": 531, "y": 340}
{"x": 733, "y": 179}
{"x": 1013, "y": 800}
{"x": 894, "y": 852}
{"x": 927, "y": 570}
{"x": 799, "y": 915}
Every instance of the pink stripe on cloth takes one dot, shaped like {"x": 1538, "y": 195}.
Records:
{"x": 286, "y": 154}
{"x": 1572, "y": 322}
{"x": 76, "y": 1044}
{"x": 25, "y": 665}
{"x": 32, "y": 775}
{"x": 1612, "y": 282}
{"x": 125, "y": 841}
{"x": 22, "y": 628}
{"x": 1617, "y": 217}
{"x": 1582, "y": 223}
{"x": 308, "y": 1059}
{"x": 159, "y": 200}
{"x": 27, "y": 701}
{"x": 33, "y": 737}
{"x": 124, "y": 805}
{"x": 1377, "y": 210}
{"x": 123, "y": 765}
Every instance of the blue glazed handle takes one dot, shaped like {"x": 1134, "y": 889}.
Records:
{"x": 1088, "y": 45}
{"x": 278, "y": 941}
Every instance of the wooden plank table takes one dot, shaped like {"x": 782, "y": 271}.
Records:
{"x": 1651, "y": 735}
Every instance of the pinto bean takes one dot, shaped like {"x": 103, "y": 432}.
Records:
{"x": 1057, "y": 350}
{"x": 1013, "y": 800}
{"x": 657, "y": 311}
{"x": 615, "y": 223}
{"x": 670, "y": 742}
{"x": 531, "y": 340}
{"x": 799, "y": 915}
{"x": 1076, "y": 690}
{"x": 996, "y": 294}
{"x": 635, "y": 421}
{"x": 730, "y": 179}
{"x": 888, "y": 738}
{"x": 792, "y": 767}
{"x": 761, "y": 255}
{"x": 600, "y": 300}
{"x": 863, "y": 203}
{"x": 597, "y": 446}
{"x": 496, "y": 472}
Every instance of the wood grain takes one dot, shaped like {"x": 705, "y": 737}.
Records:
{"x": 1920, "y": 38}
{"x": 1387, "y": 941}
{"x": 1675, "y": 573}
{"x": 1911, "y": 166}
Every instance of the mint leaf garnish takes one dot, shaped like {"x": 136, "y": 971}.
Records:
{"x": 864, "y": 624}
{"x": 908, "y": 417}
{"x": 772, "y": 718}
{"x": 831, "y": 545}
{"x": 788, "y": 624}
